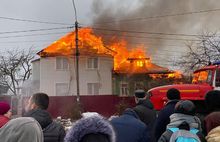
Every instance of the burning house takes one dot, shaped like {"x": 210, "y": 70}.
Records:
{"x": 55, "y": 69}
{"x": 103, "y": 69}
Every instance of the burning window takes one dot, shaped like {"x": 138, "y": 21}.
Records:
{"x": 124, "y": 89}
{"x": 62, "y": 63}
{"x": 92, "y": 63}
{"x": 62, "y": 89}
{"x": 93, "y": 88}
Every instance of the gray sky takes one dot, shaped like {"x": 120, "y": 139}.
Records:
{"x": 89, "y": 11}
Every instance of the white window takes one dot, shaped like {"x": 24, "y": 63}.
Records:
{"x": 62, "y": 63}
{"x": 93, "y": 88}
{"x": 124, "y": 89}
{"x": 139, "y": 85}
{"x": 62, "y": 89}
{"x": 92, "y": 63}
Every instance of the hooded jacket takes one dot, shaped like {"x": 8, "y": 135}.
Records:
{"x": 53, "y": 131}
{"x": 23, "y": 129}
{"x": 163, "y": 118}
{"x": 89, "y": 129}
{"x": 178, "y": 118}
{"x": 214, "y": 135}
{"x": 129, "y": 128}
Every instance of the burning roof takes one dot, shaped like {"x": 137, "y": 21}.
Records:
{"x": 89, "y": 44}
{"x": 125, "y": 61}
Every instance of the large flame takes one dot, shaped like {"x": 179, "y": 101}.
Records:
{"x": 125, "y": 61}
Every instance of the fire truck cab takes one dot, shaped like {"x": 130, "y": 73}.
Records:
{"x": 205, "y": 79}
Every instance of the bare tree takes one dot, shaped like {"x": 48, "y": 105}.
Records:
{"x": 203, "y": 52}
{"x": 15, "y": 68}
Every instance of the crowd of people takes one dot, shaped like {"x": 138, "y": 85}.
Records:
{"x": 176, "y": 122}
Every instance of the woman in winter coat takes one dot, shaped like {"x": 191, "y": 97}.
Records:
{"x": 184, "y": 117}
{"x": 93, "y": 128}
{"x": 23, "y": 129}
{"x": 5, "y": 113}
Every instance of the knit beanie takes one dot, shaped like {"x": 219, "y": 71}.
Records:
{"x": 185, "y": 107}
{"x": 4, "y": 108}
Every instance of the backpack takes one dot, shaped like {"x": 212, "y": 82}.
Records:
{"x": 181, "y": 135}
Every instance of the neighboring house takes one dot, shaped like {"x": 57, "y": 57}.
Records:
{"x": 135, "y": 74}
{"x": 55, "y": 70}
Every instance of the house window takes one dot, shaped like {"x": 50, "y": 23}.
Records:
{"x": 92, "y": 63}
{"x": 62, "y": 89}
{"x": 124, "y": 89}
{"x": 93, "y": 88}
{"x": 62, "y": 63}
{"x": 139, "y": 85}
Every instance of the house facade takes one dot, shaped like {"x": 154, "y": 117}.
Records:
{"x": 57, "y": 75}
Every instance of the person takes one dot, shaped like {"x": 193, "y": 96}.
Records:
{"x": 145, "y": 110}
{"x": 183, "y": 118}
{"x": 163, "y": 119}
{"x": 129, "y": 128}
{"x": 23, "y": 129}
{"x": 212, "y": 120}
{"x": 214, "y": 135}
{"x": 37, "y": 108}
{"x": 5, "y": 113}
{"x": 91, "y": 128}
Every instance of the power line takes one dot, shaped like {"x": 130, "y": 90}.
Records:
{"x": 37, "y": 30}
{"x": 163, "y": 38}
{"x": 33, "y": 35}
{"x": 33, "y": 21}
{"x": 145, "y": 32}
{"x": 161, "y": 16}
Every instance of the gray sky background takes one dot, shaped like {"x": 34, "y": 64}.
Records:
{"x": 94, "y": 10}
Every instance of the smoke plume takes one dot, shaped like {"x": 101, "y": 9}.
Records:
{"x": 131, "y": 16}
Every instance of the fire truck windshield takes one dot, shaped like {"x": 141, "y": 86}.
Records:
{"x": 204, "y": 76}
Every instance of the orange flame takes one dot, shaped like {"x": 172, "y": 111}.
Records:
{"x": 125, "y": 61}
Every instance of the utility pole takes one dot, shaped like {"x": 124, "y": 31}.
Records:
{"x": 76, "y": 55}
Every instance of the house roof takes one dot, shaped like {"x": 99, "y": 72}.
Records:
{"x": 147, "y": 68}
{"x": 89, "y": 44}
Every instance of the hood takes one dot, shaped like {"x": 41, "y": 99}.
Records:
{"x": 131, "y": 112}
{"x": 90, "y": 125}
{"x": 178, "y": 118}
{"x": 23, "y": 129}
{"x": 214, "y": 135}
{"x": 42, "y": 116}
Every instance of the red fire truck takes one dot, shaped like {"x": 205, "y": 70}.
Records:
{"x": 205, "y": 79}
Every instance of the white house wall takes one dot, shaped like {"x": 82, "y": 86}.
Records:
{"x": 49, "y": 76}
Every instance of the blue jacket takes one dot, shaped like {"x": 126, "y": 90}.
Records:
{"x": 163, "y": 118}
{"x": 129, "y": 128}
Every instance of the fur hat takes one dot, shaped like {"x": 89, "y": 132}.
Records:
{"x": 90, "y": 128}
{"x": 4, "y": 108}
{"x": 173, "y": 94}
{"x": 140, "y": 93}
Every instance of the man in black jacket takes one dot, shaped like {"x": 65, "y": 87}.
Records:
{"x": 36, "y": 108}
{"x": 163, "y": 119}
{"x": 145, "y": 110}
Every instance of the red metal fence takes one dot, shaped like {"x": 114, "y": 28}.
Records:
{"x": 64, "y": 105}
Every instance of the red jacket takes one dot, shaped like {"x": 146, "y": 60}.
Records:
{"x": 3, "y": 120}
